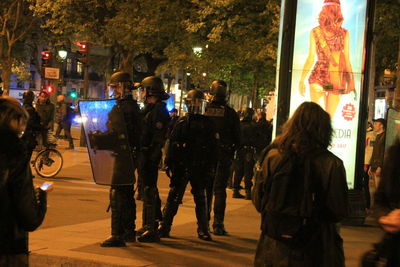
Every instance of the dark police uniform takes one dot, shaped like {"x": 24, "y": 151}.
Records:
{"x": 227, "y": 126}
{"x": 245, "y": 157}
{"x": 122, "y": 202}
{"x": 191, "y": 152}
{"x": 155, "y": 124}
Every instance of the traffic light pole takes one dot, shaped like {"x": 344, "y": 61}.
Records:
{"x": 82, "y": 142}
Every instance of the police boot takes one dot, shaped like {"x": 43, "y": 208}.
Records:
{"x": 116, "y": 238}
{"x": 236, "y": 194}
{"x": 219, "y": 228}
{"x": 129, "y": 214}
{"x": 150, "y": 233}
{"x": 203, "y": 230}
{"x": 170, "y": 210}
{"x": 219, "y": 211}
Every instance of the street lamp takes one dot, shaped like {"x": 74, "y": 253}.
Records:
{"x": 197, "y": 50}
{"x": 62, "y": 53}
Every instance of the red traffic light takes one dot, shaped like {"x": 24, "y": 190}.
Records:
{"x": 49, "y": 89}
{"x": 46, "y": 55}
{"x": 84, "y": 47}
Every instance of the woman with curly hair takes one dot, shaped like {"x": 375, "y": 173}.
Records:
{"x": 331, "y": 75}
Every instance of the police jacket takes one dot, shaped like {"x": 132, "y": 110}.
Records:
{"x": 46, "y": 113}
{"x": 264, "y": 134}
{"x": 155, "y": 124}
{"x": 132, "y": 118}
{"x": 226, "y": 122}
{"x": 193, "y": 142}
{"x": 248, "y": 134}
{"x": 22, "y": 208}
{"x": 33, "y": 127}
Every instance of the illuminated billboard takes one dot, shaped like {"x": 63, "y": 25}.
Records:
{"x": 328, "y": 60}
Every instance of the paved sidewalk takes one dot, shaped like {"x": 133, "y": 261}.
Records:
{"x": 78, "y": 244}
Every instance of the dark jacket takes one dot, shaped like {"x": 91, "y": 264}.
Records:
{"x": 387, "y": 198}
{"x": 193, "y": 143}
{"x": 226, "y": 122}
{"x": 64, "y": 113}
{"x": 155, "y": 124}
{"x": 378, "y": 152}
{"x": 264, "y": 134}
{"x": 325, "y": 247}
{"x": 46, "y": 113}
{"x": 248, "y": 134}
{"x": 33, "y": 127}
{"x": 22, "y": 208}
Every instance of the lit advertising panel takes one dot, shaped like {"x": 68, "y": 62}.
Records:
{"x": 328, "y": 60}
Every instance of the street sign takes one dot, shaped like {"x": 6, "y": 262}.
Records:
{"x": 52, "y": 73}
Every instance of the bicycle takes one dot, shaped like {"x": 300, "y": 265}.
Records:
{"x": 48, "y": 162}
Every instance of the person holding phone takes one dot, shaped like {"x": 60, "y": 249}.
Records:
{"x": 22, "y": 207}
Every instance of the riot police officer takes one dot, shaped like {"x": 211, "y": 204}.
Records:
{"x": 226, "y": 122}
{"x": 245, "y": 154}
{"x": 155, "y": 124}
{"x": 33, "y": 126}
{"x": 122, "y": 202}
{"x": 192, "y": 146}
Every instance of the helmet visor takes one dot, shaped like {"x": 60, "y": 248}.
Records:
{"x": 196, "y": 106}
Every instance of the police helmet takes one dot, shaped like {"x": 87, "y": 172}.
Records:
{"x": 154, "y": 86}
{"x": 120, "y": 77}
{"x": 218, "y": 88}
{"x": 195, "y": 102}
{"x": 28, "y": 96}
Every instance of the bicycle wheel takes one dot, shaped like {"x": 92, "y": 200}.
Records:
{"x": 48, "y": 163}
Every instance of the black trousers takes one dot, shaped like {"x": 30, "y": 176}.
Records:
{"x": 198, "y": 181}
{"x": 66, "y": 126}
{"x": 123, "y": 209}
{"x": 217, "y": 187}
{"x": 151, "y": 202}
{"x": 244, "y": 168}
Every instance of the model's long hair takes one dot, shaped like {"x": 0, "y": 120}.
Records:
{"x": 331, "y": 17}
{"x": 307, "y": 130}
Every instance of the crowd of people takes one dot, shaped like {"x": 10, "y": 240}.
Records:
{"x": 300, "y": 187}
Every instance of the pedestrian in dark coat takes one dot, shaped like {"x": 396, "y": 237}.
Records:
{"x": 64, "y": 116}
{"x": 22, "y": 208}
{"x": 308, "y": 132}
{"x": 45, "y": 109}
{"x": 33, "y": 126}
{"x": 387, "y": 204}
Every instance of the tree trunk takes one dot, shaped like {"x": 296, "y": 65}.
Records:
{"x": 6, "y": 75}
{"x": 254, "y": 93}
{"x": 397, "y": 90}
{"x": 372, "y": 82}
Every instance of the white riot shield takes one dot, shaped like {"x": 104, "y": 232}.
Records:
{"x": 107, "y": 142}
